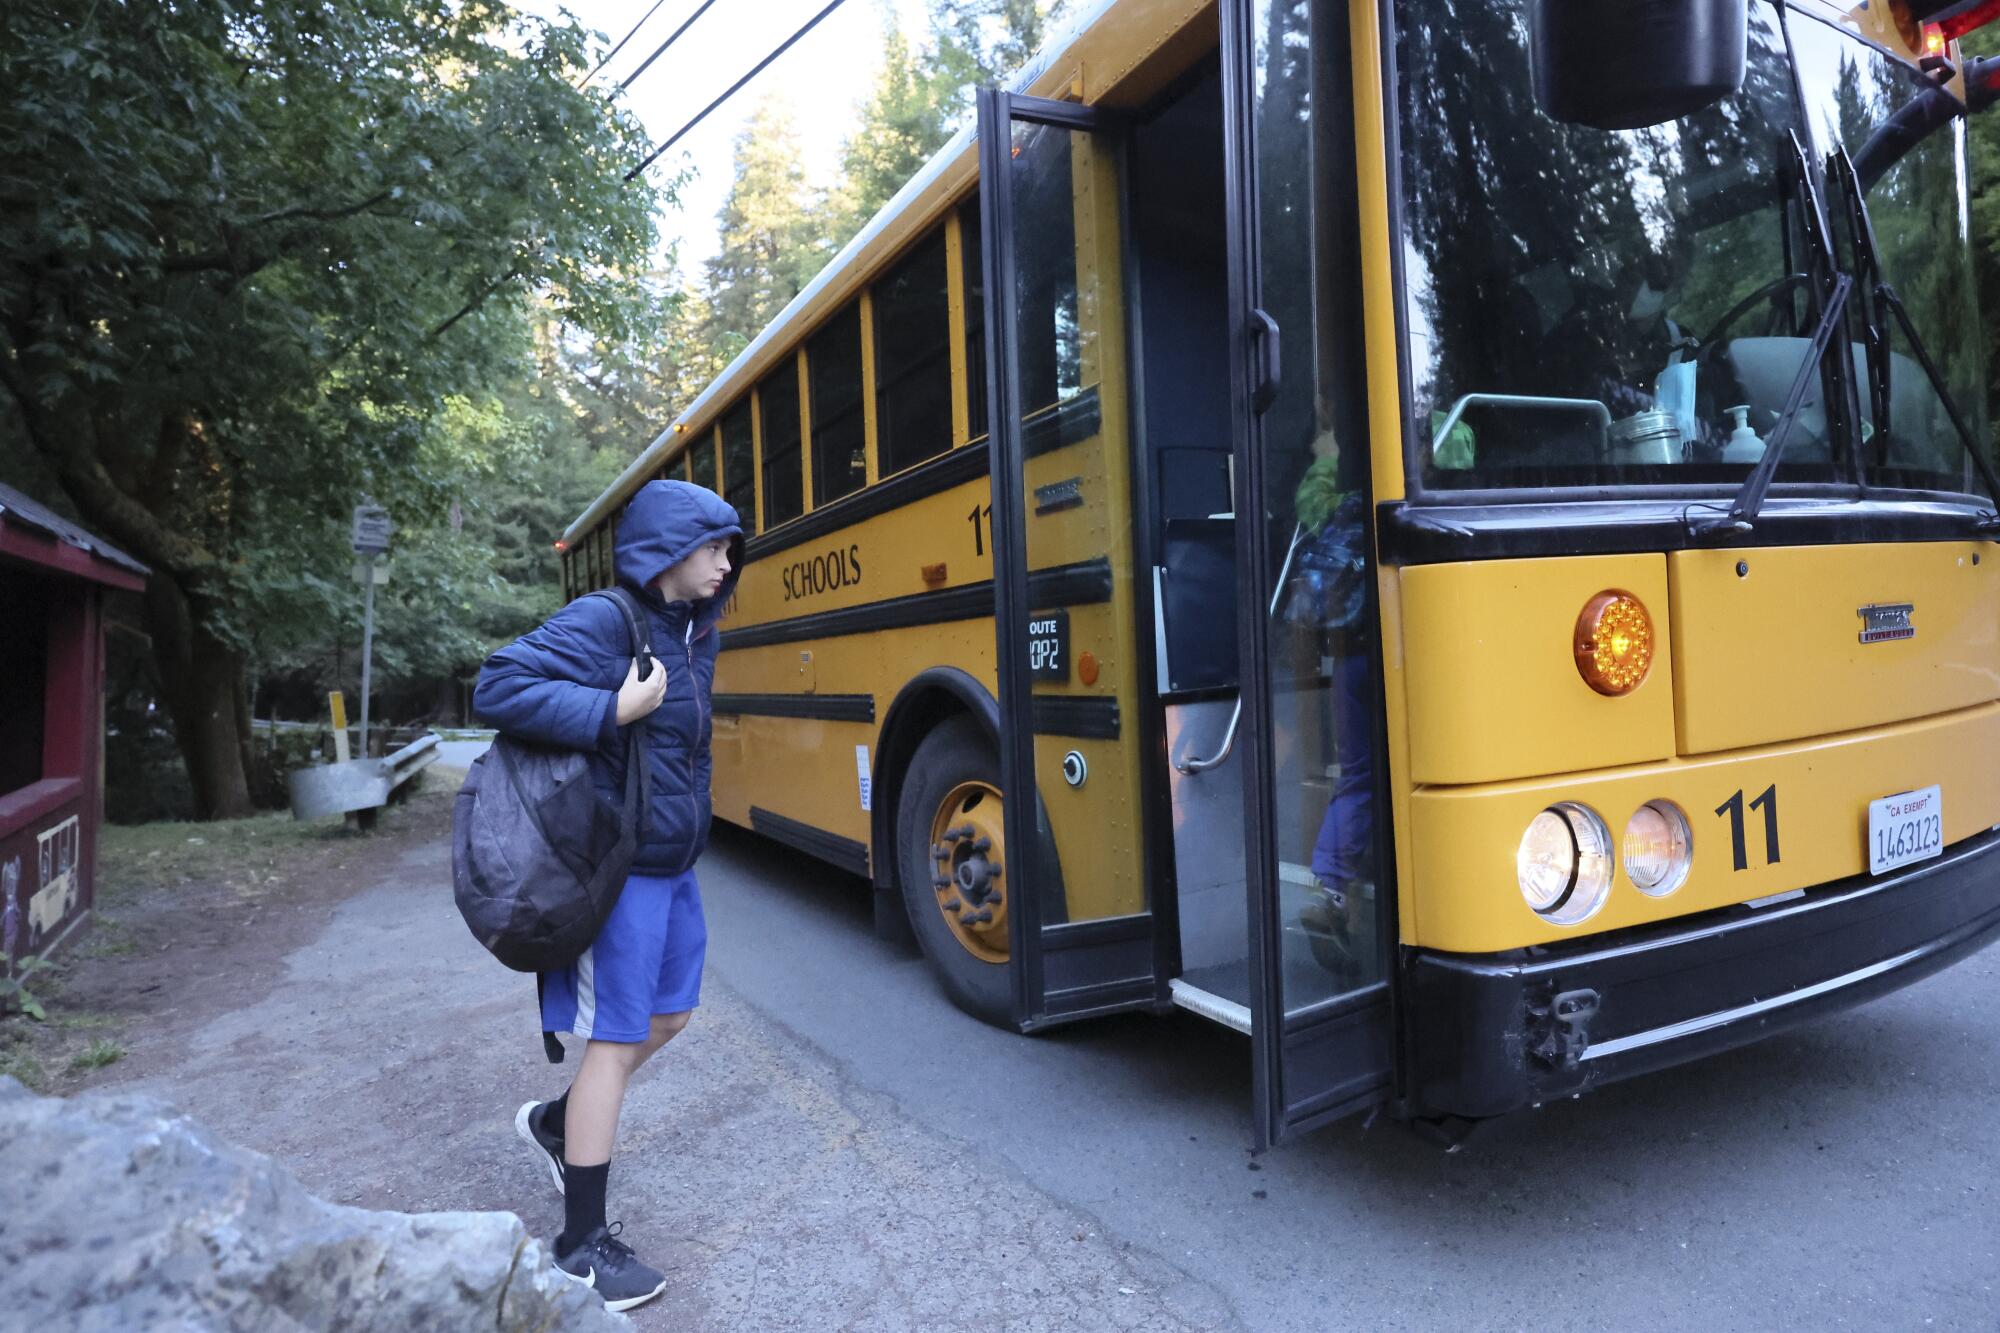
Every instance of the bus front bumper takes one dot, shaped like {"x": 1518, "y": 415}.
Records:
{"x": 1488, "y": 1034}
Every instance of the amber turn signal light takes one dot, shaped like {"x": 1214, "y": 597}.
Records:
{"x": 1614, "y": 643}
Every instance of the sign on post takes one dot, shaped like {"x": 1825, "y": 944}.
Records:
{"x": 371, "y": 529}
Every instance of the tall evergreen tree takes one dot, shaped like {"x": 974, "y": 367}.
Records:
{"x": 774, "y": 238}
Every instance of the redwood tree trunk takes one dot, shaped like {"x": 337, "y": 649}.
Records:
{"x": 202, "y": 679}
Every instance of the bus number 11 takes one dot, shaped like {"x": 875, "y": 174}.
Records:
{"x": 981, "y": 519}
{"x": 1733, "y": 807}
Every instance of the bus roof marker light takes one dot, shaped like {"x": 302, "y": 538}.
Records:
{"x": 1614, "y": 643}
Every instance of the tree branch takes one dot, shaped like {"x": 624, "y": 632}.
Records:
{"x": 474, "y": 303}
{"x": 324, "y": 214}
{"x": 89, "y": 485}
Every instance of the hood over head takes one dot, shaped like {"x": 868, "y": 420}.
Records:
{"x": 662, "y": 525}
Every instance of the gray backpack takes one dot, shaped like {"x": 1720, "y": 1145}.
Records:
{"x": 538, "y": 858}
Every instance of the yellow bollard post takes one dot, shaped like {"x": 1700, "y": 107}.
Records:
{"x": 338, "y": 702}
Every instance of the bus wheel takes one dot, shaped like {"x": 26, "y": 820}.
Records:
{"x": 949, "y": 865}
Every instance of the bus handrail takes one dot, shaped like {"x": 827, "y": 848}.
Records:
{"x": 1190, "y": 767}
{"x": 1589, "y": 405}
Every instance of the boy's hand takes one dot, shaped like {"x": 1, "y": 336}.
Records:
{"x": 636, "y": 697}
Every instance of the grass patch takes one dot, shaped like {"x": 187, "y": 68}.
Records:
{"x": 109, "y": 938}
{"x": 16, "y": 1062}
{"x": 85, "y": 1022}
{"x": 97, "y": 1055}
{"x": 223, "y": 849}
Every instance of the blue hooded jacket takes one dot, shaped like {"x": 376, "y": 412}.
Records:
{"x": 558, "y": 685}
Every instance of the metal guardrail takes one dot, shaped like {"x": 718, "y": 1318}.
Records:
{"x": 358, "y": 784}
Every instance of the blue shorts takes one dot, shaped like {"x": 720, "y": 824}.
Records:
{"x": 647, "y": 960}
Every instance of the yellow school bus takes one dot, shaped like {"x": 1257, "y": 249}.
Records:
{"x": 1455, "y": 538}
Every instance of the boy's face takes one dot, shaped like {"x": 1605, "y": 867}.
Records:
{"x": 698, "y": 576}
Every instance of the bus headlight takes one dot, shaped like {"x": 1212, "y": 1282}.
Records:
{"x": 1614, "y": 643}
{"x": 1564, "y": 863}
{"x": 1659, "y": 847}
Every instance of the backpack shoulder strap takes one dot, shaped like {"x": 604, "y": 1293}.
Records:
{"x": 635, "y": 624}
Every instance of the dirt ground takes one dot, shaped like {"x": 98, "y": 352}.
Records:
{"x": 191, "y": 920}
{"x": 312, "y": 994}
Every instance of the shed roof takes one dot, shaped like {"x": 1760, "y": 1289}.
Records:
{"x": 17, "y": 510}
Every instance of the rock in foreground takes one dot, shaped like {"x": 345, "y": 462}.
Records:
{"x": 118, "y": 1214}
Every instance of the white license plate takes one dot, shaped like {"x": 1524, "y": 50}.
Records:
{"x": 1905, "y": 828}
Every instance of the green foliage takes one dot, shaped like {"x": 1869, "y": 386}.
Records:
{"x": 15, "y": 997}
{"x": 256, "y": 259}
{"x": 101, "y": 1052}
{"x": 773, "y": 232}
{"x": 777, "y": 232}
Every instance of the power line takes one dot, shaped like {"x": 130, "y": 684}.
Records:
{"x": 734, "y": 88}
{"x": 621, "y": 43}
{"x": 661, "y": 49}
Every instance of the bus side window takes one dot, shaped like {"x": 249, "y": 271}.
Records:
{"x": 912, "y": 351}
{"x": 839, "y": 438}
{"x": 784, "y": 484}
{"x": 739, "y": 477}
{"x": 702, "y": 462}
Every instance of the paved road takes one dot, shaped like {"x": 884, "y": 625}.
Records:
{"x": 1843, "y": 1176}
{"x": 832, "y": 1146}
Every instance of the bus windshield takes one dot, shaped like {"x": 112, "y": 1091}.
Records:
{"x": 1590, "y": 308}
{"x": 1919, "y": 210}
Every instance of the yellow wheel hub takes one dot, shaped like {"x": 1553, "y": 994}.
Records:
{"x": 966, "y": 838}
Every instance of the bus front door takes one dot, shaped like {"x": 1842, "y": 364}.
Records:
{"x": 1310, "y": 737}
{"x": 1081, "y": 930}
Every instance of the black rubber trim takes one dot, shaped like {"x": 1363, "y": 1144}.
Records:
{"x": 931, "y": 477}
{"x": 1084, "y": 718}
{"x": 820, "y": 707}
{"x": 829, "y": 847}
{"x": 1534, "y": 526}
{"x": 1065, "y": 585}
{"x": 1672, "y": 992}
{"x": 1069, "y": 422}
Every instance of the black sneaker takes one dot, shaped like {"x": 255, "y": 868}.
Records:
{"x": 606, "y": 1263}
{"x": 528, "y": 1124}
{"x": 1329, "y": 930}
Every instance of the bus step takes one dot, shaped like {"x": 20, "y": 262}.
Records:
{"x": 1214, "y": 1007}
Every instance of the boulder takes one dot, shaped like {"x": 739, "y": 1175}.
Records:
{"x": 117, "y": 1214}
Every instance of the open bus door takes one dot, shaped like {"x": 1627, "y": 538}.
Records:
{"x": 1322, "y": 910}
{"x": 1082, "y": 934}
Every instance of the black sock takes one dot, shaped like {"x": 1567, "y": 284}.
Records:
{"x": 552, "y": 1116}
{"x": 583, "y": 1204}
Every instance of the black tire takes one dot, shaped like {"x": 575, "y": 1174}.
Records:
{"x": 955, "y": 753}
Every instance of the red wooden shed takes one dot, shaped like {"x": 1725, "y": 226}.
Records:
{"x": 53, "y": 578}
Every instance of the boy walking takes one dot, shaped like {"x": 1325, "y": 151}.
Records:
{"x": 573, "y": 683}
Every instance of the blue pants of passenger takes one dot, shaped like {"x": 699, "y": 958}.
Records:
{"x": 647, "y": 960}
{"x": 1344, "y": 851}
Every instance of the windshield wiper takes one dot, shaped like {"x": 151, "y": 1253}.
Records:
{"x": 1882, "y": 296}
{"x": 1749, "y": 500}
{"x": 1834, "y": 286}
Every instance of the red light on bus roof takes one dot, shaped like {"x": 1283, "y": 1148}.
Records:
{"x": 1933, "y": 40}
{"x": 1965, "y": 20}
{"x": 562, "y": 546}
